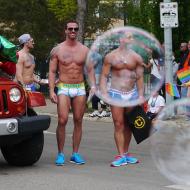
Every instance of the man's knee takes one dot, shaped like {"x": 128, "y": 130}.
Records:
{"x": 119, "y": 126}
{"x": 78, "y": 121}
{"x": 62, "y": 121}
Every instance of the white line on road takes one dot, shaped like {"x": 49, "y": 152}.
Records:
{"x": 52, "y": 133}
{"x": 48, "y": 132}
{"x": 179, "y": 187}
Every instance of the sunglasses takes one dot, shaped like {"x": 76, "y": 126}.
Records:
{"x": 73, "y": 29}
{"x": 31, "y": 41}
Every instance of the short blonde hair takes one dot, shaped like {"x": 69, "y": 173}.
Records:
{"x": 128, "y": 35}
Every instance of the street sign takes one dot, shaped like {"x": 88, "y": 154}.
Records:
{"x": 169, "y": 15}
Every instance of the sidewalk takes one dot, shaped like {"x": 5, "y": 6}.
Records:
{"x": 51, "y": 109}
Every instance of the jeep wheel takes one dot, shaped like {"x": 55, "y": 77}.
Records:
{"x": 25, "y": 153}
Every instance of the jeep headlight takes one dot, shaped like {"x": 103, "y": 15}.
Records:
{"x": 15, "y": 94}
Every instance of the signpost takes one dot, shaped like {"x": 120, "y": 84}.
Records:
{"x": 168, "y": 20}
{"x": 168, "y": 15}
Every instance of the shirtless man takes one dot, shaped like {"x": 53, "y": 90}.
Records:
{"x": 126, "y": 86}
{"x": 26, "y": 64}
{"x": 68, "y": 58}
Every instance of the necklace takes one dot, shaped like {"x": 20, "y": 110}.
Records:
{"x": 123, "y": 59}
{"x": 153, "y": 102}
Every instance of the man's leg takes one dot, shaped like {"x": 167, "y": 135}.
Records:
{"x": 127, "y": 132}
{"x": 128, "y": 135}
{"x": 63, "y": 103}
{"x": 63, "y": 107}
{"x": 118, "y": 119}
{"x": 79, "y": 106}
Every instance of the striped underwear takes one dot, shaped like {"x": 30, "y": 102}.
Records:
{"x": 123, "y": 96}
{"x": 71, "y": 90}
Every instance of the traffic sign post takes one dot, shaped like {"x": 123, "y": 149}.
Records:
{"x": 168, "y": 19}
{"x": 169, "y": 15}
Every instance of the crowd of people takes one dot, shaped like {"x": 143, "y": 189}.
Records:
{"x": 184, "y": 63}
{"x": 67, "y": 60}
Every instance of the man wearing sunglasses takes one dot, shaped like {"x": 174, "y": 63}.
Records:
{"x": 26, "y": 64}
{"x": 68, "y": 59}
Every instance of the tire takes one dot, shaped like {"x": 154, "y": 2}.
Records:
{"x": 25, "y": 153}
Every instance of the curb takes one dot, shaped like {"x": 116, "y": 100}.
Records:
{"x": 86, "y": 118}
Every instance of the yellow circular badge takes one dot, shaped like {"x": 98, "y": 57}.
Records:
{"x": 139, "y": 122}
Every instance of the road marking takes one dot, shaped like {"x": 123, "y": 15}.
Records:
{"x": 179, "y": 187}
{"x": 52, "y": 133}
{"x": 48, "y": 132}
{"x": 104, "y": 119}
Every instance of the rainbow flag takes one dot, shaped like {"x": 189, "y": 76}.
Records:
{"x": 184, "y": 75}
{"x": 172, "y": 90}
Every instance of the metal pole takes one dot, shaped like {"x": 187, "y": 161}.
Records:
{"x": 168, "y": 58}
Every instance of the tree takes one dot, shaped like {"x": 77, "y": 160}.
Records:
{"x": 33, "y": 17}
{"x": 81, "y": 13}
{"x": 63, "y": 9}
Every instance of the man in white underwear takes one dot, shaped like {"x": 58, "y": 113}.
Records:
{"x": 68, "y": 58}
{"x": 127, "y": 85}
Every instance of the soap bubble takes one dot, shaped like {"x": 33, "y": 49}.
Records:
{"x": 170, "y": 142}
{"x": 118, "y": 64}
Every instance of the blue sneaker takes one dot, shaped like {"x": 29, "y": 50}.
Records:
{"x": 130, "y": 159}
{"x": 119, "y": 161}
{"x": 60, "y": 160}
{"x": 77, "y": 158}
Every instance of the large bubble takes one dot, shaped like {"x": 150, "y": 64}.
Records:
{"x": 120, "y": 63}
{"x": 170, "y": 142}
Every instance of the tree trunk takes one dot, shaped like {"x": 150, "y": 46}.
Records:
{"x": 82, "y": 9}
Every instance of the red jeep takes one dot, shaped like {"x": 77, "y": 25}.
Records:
{"x": 21, "y": 129}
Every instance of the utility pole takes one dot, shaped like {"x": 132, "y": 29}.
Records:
{"x": 168, "y": 19}
{"x": 168, "y": 57}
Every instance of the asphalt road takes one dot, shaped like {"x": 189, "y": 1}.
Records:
{"x": 98, "y": 148}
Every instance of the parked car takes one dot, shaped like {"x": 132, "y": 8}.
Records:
{"x": 21, "y": 128}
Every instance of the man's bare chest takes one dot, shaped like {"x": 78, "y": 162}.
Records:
{"x": 121, "y": 62}
{"x": 29, "y": 61}
{"x": 67, "y": 57}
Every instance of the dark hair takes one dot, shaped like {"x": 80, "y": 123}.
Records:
{"x": 71, "y": 21}
{"x": 21, "y": 45}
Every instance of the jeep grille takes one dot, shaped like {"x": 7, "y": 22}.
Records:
{"x": 4, "y": 103}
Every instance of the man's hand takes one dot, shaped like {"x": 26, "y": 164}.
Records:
{"x": 91, "y": 93}
{"x": 43, "y": 81}
{"x": 187, "y": 84}
{"x": 141, "y": 100}
{"x": 92, "y": 90}
{"x": 53, "y": 97}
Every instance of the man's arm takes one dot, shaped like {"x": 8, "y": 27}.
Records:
{"x": 104, "y": 75}
{"x": 19, "y": 69}
{"x": 140, "y": 79}
{"x": 91, "y": 72}
{"x": 52, "y": 72}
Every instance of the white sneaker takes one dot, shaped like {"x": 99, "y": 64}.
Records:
{"x": 109, "y": 114}
{"x": 94, "y": 114}
{"x": 104, "y": 114}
